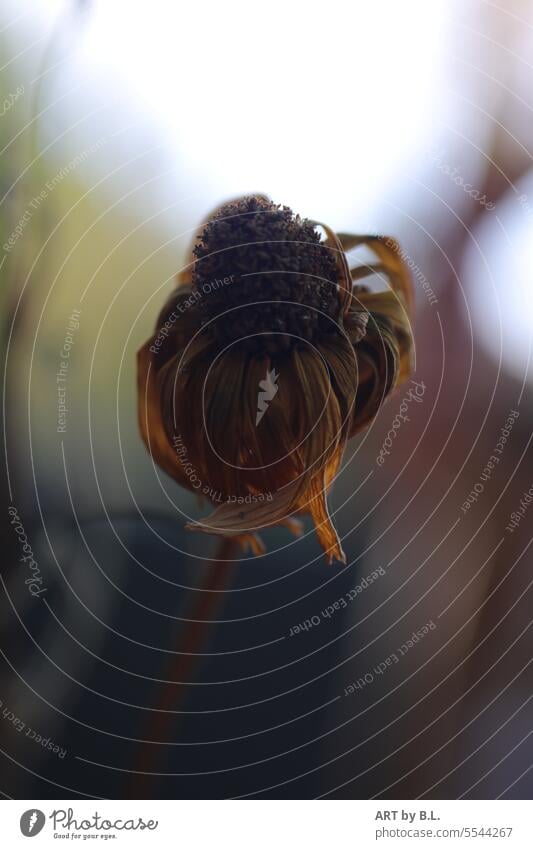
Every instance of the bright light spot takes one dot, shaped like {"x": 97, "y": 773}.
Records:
{"x": 321, "y": 106}
{"x": 498, "y": 280}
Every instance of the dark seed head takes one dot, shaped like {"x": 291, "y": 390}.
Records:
{"x": 283, "y": 280}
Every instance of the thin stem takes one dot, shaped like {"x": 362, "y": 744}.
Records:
{"x": 182, "y": 667}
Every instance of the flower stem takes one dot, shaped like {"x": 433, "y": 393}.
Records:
{"x": 184, "y": 663}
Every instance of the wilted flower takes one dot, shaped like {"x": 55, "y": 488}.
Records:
{"x": 266, "y": 359}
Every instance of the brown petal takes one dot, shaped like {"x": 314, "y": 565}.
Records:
{"x": 234, "y": 519}
{"x": 316, "y": 504}
{"x": 151, "y": 423}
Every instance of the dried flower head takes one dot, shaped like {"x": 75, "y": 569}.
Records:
{"x": 266, "y": 359}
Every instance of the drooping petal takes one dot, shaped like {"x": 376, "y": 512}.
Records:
{"x": 150, "y": 415}
{"x": 239, "y": 517}
{"x": 384, "y": 352}
{"x": 390, "y": 255}
{"x": 316, "y": 503}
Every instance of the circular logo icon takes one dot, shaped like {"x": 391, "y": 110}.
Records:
{"x": 32, "y": 822}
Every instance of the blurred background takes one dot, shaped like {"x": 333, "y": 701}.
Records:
{"x": 121, "y": 126}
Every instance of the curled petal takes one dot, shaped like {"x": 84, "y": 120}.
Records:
{"x": 151, "y": 420}
{"x": 316, "y": 503}
{"x": 235, "y": 519}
